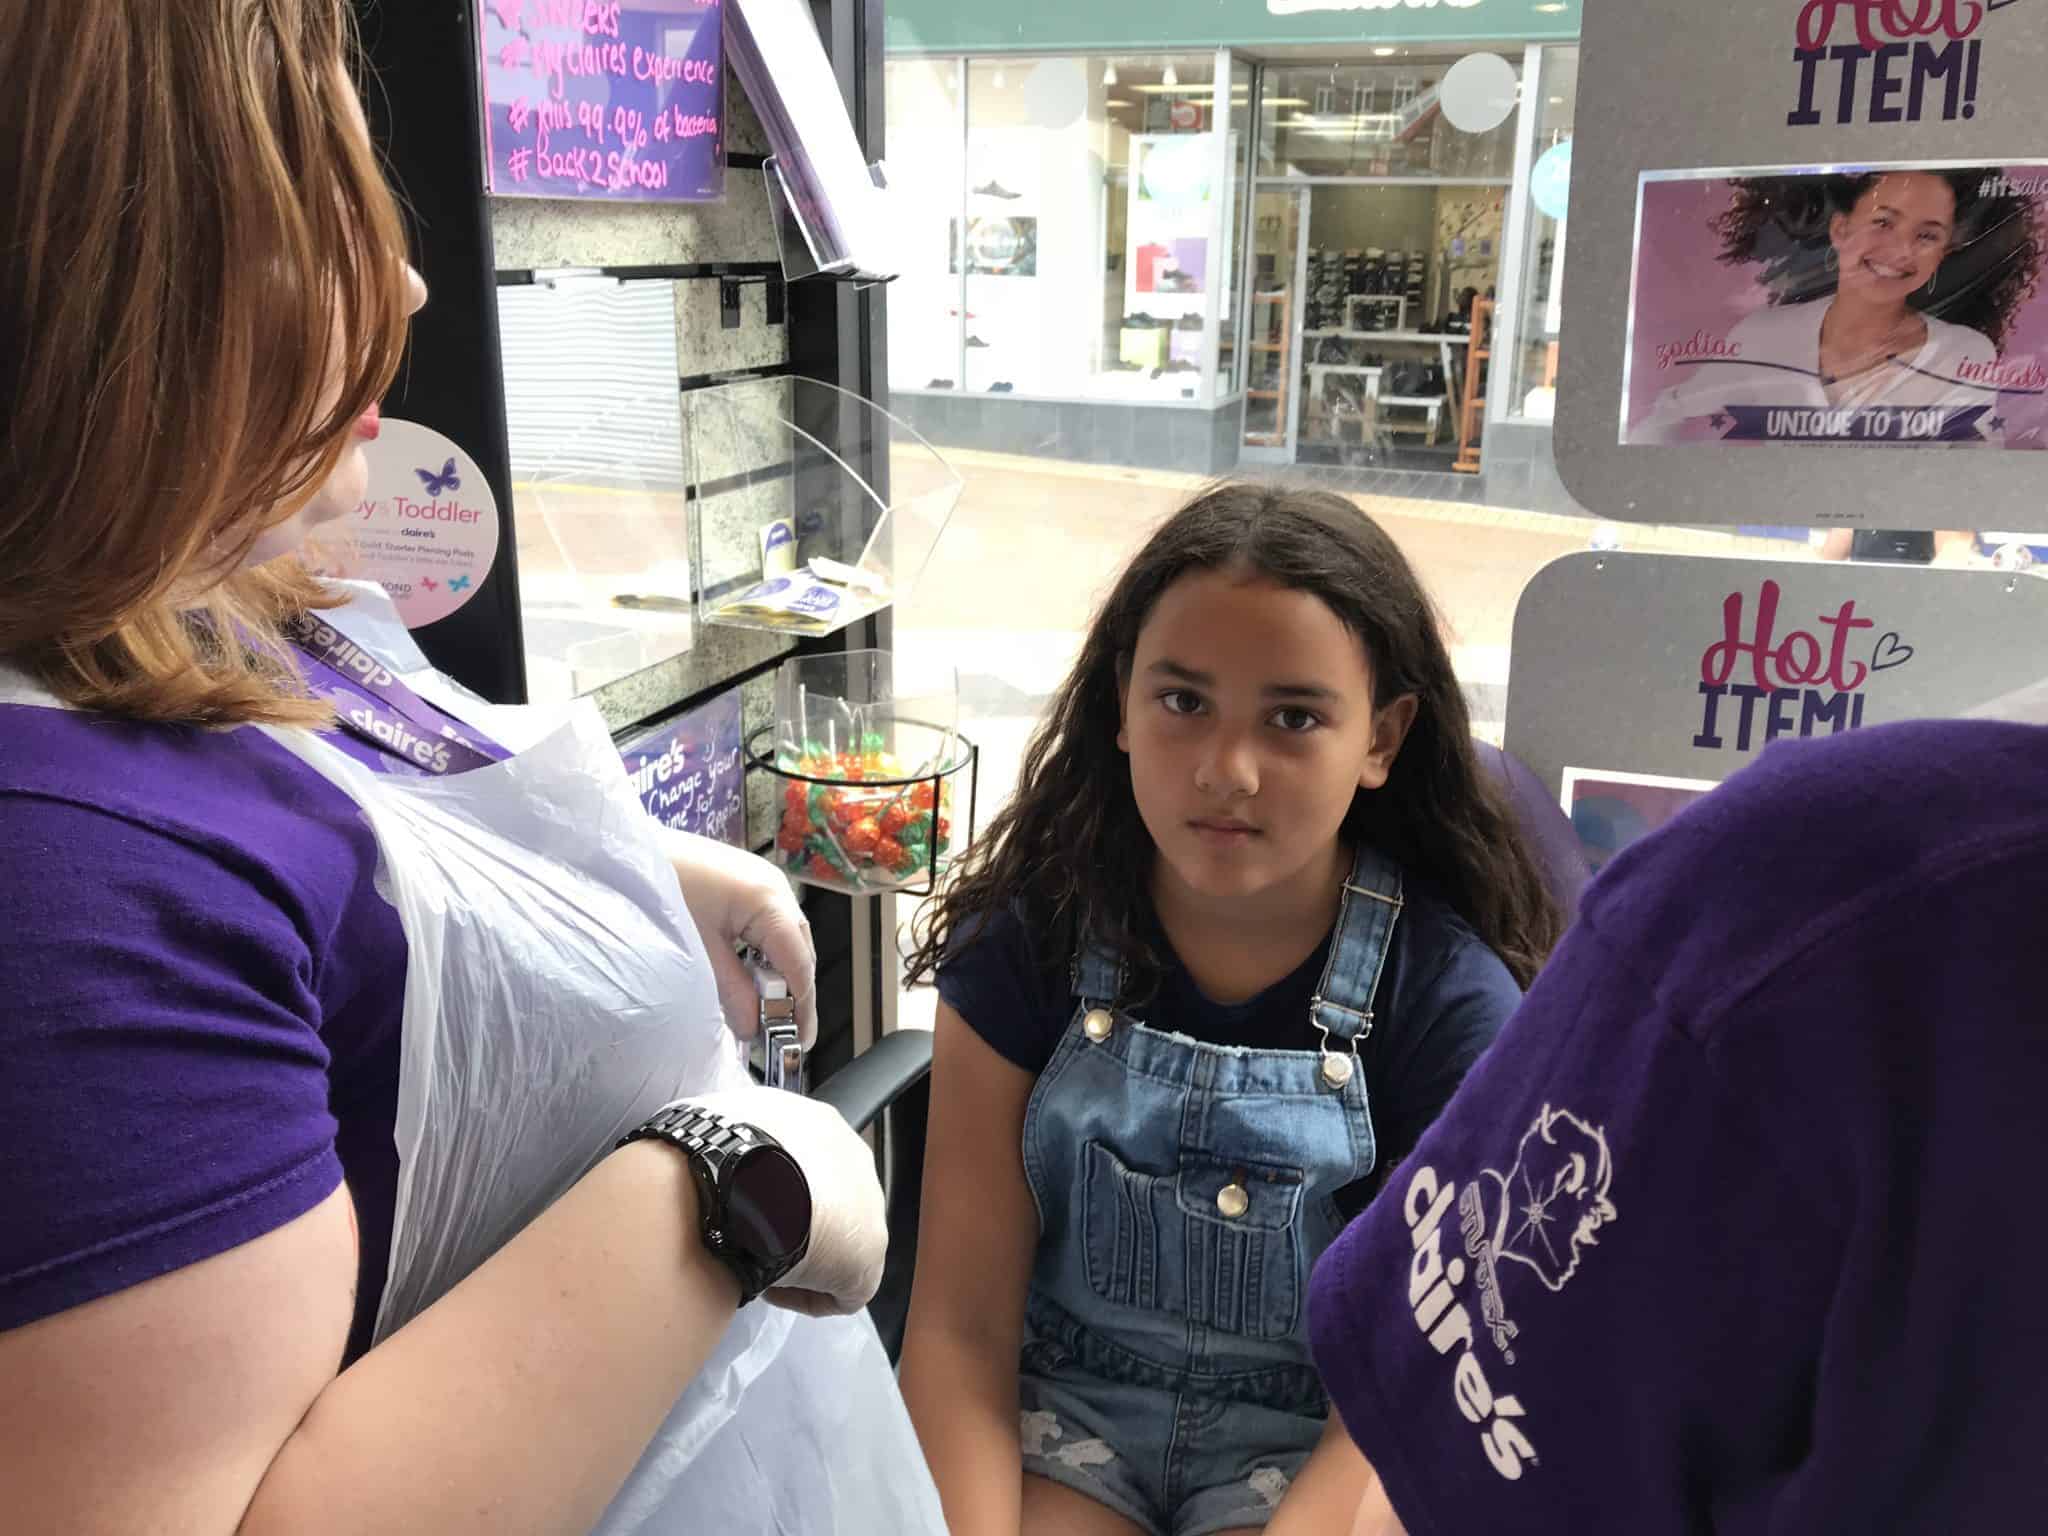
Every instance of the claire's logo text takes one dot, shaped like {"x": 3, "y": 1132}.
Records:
{"x": 1892, "y": 61}
{"x": 1801, "y": 681}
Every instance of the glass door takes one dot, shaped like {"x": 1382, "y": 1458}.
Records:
{"x": 1273, "y": 310}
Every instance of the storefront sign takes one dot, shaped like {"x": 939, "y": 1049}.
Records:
{"x": 1091, "y": 26}
{"x": 1685, "y": 668}
{"x": 689, "y": 773}
{"x": 619, "y": 101}
{"x": 1832, "y": 244}
{"x": 1307, "y": 7}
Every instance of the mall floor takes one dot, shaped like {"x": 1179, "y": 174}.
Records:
{"x": 1035, "y": 544}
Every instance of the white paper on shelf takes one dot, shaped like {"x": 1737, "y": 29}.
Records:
{"x": 782, "y": 66}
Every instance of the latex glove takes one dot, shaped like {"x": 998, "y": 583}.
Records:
{"x": 735, "y": 898}
{"x": 842, "y": 1269}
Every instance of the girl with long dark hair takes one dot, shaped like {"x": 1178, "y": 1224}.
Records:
{"x": 1250, "y": 918}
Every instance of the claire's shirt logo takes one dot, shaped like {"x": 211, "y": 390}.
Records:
{"x": 1531, "y": 1225}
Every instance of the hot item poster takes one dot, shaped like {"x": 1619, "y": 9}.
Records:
{"x": 1889, "y": 306}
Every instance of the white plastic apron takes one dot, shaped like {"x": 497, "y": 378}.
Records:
{"x": 557, "y": 993}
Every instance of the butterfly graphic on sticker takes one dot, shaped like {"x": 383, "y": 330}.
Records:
{"x": 430, "y": 584}
{"x": 439, "y": 485}
{"x": 459, "y": 584}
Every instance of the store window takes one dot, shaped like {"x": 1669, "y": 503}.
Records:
{"x": 1377, "y": 229}
{"x": 1081, "y": 239}
{"x": 926, "y": 138}
{"x": 1532, "y": 393}
{"x": 1232, "y": 367}
{"x": 1374, "y": 120}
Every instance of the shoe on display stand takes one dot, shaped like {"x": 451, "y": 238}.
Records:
{"x": 997, "y": 190}
{"x": 1002, "y": 389}
{"x": 976, "y": 343}
{"x": 940, "y": 384}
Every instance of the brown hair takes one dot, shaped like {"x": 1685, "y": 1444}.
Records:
{"x": 201, "y": 290}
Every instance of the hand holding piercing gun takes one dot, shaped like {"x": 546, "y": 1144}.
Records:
{"x": 781, "y": 1044}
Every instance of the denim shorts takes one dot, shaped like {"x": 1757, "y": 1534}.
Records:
{"x": 1179, "y": 1457}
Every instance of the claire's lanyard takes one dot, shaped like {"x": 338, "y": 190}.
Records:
{"x": 372, "y": 705}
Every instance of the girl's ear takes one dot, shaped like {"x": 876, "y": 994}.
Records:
{"x": 1123, "y": 713}
{"x": 1390, "y": 729}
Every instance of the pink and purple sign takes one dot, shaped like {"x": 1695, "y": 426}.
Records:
{"x": 621, "y": 101}
{"x": 689, "y": 773}
{"x": 426, "y": 530}
{"x": 1893, "y": 305}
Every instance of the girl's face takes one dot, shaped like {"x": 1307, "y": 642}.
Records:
{"x": 1896, "y": 236}
{"x": 1249, "y": 723}
{"x": 343, "y": 490}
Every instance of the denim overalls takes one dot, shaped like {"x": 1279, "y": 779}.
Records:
{"x": 1184, "y": 1193}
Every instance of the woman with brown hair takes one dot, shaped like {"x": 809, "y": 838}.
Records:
{"x": 307, "y": 1223}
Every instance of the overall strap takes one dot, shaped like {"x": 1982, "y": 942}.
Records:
{"x": 1098, "y": 975}
{"x": 1371, "y": 904}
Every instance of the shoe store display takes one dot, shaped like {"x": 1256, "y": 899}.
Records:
{"x": 1002, "y": 389}
{"x": 976, "y": 343}
{"x": 940, "y": 384}
{"x": 998, "y": 191}
{"x": 1189, "y": 322}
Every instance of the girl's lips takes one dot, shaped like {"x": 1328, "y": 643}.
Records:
{"x": 369, "y": 424}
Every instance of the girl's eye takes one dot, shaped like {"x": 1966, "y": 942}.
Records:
{"x": 1181, "y": 702}
{"x": 1296, "y": 721}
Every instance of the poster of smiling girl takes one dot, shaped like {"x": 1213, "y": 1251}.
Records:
{"x": 1894, "y": 306}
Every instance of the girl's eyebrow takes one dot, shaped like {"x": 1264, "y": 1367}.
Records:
{"x": 1197, "y": 679}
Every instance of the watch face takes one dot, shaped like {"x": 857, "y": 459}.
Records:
{"x": 768, "y": 1209}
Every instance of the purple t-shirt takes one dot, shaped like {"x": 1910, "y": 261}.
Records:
{"x": 1733, "y": 1227}
{"x": 200, "y": 999}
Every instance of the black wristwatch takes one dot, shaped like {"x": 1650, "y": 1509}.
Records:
{"x": 754, "y": 1199}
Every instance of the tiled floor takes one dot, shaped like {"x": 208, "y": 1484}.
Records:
{"x": 1035, "y": 544}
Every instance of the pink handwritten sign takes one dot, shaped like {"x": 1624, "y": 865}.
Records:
{"x": 619, "y": 100}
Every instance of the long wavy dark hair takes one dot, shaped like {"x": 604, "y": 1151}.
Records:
{"x": 1070, "y": 852}
{"x": 1990, "y": 272}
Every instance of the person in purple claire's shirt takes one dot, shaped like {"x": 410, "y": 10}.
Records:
{"x": 204, "y": 976}
{"x": 1733, "y": 1229}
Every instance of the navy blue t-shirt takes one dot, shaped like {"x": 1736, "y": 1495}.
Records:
{"x": 1442, "y": 998}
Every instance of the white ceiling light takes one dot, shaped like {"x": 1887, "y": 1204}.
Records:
{"x": 1109, "y": 73}
{"x": 1000, "y": 81}
{"x": 1384, "y": 53}
{"x": 1171, "y": 77}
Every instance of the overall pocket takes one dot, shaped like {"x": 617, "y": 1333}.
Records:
{"x": 1247, "y": 1269}
{"x": 1122, "y": 1235}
